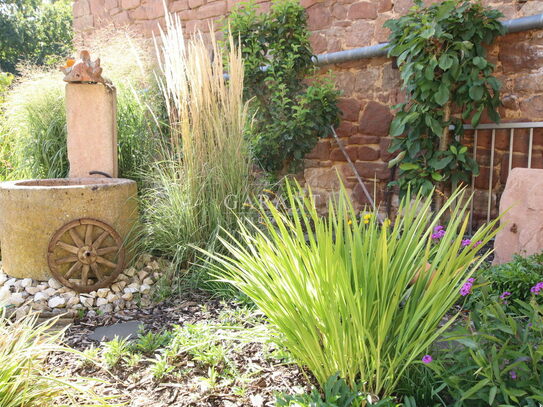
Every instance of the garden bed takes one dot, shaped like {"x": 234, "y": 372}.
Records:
{"x": 248, "y": 369}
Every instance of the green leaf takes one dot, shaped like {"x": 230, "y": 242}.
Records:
{"x": 475, "y": 389}
{"x": 445, "y": 61}
{"x": 492, "y": 394}
{"x": 442, "y": 163}
{"x": 409, "y": 166}
{"x": 442, "y": 95}
{"x": 479, "y": 62}
{"x": 436, "y": 176}
{"x": 397, "y": 127}
{"x": 476, "y": 117}
{"x": 476, "y": 93}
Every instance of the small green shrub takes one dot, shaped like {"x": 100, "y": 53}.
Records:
{"x": 348, "y": 295}
{"x": 495, "y": 358}
{"x": 516, "y": 277}
{"x": 113, "y": 352}
{"x": 292, "y": 109}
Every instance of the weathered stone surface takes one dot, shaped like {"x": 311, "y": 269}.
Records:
{"x": 517, "y": 56}
{"x": 363, "y": 10}
{"x": 367, "y": 153}
{"x": 319, "y": 17}
{"x": 523, "y": 222}
{"x": 350, "y": 109}
{"x": 375, "y": 119}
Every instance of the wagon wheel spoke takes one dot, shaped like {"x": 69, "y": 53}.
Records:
{"x": 96, "y": 244}
{"x": 106, "y": 250}
{"x": 97, "y": 272}
{"x": 76, "y": 266}
{"x": 88, "y": 235}
{"x": 85, "y": 274}
{"x": 75, "y": 237}
{"x": 69, "y": 259}
{"x": 106, "y": 262}
{"x": 85, "y": 257}
{"x": 68, "y": 247}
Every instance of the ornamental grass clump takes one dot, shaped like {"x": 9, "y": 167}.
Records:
{"x": 349, "y": 295}
{"x": 204, "y": 180}
{"x": 25, "y": 380}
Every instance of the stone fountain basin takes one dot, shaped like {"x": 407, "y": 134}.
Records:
{"x": 31, "y": 211}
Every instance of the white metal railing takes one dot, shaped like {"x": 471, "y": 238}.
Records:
{"x": 495, "y": 127}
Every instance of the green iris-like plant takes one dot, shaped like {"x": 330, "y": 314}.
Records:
{"x": 348, "y": 295}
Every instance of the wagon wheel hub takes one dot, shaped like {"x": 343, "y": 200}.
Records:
{"x": 86, "y": 254}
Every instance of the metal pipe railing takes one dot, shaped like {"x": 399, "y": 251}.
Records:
{"x": 380, "y": 50}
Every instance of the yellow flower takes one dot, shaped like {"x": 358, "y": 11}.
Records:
{"x": 386, "y": 223}
{"x": 367, "y": 216}
{"x": 349, "y": 222}
{"x": 366, "y": 221}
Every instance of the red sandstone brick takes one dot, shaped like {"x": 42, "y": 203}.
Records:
{"x": 97, "y": 8}
{"x": 130, "y": 4}
{"x": 319, "y": 43}
{"x": 363, "y": 10}
{"x": 198, "y": 25}
{"x": 214, "y": 9}
{"x": 366, "y": 153}
{"x": 179, "y": 5}
{"x": 517, "y": 56}
{"x": 346, "y": 129}
{"x": 195, "y": 3}
{"x": 321, "y": 151}
{"x": 81, "y": 8}
{"x": 83, "y": 23}
{"x": 109, "y": 4}
{"x": 318, "y": 17}
{"x": 308, "y": 3}
{"x": 384, "y": 6}
{"x": 339, "y": 11}
{"x": 375, "y": 119}
{"x": 350, "y": 109}
{"x": 384, "y": 145}
{"x": 372, "y": 170}
{"x": 364, "y": 140}
{"x": 533, "y": 107}
{"x": 362, "y": 199}
{"x": 360, "y": 33}
{"x": 337, "y": 155}
{"x": 121, "y": 19}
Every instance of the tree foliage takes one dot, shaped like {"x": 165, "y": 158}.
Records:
{"x": 447, "y": 79}
{"x": 35, "y": 31}
{"x": 291, "y": 107}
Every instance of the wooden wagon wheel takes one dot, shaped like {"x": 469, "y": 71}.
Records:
{"x": 85, "y": 255}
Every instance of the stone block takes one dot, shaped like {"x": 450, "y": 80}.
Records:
{"x": 179, "y": 5}
{"x": 319, "y": 17}
{"x": 375, "y": 119}
{"x": 121, "y": 19}
{"x": 195, "y": 3}
{"x": 522, "y": 231}
{"x": 366, "y": 153}
{"x": 130, "y": 4}
{"x": 321, "y": 151}
{"x": 214, "y": 9}
{"x": 350, "y": 109}
{"x": 363, "y": 11}
{"x": 81, "y": 8}
{"x": 92, "y": 129}
{"x": 360, "y": 33}
{"x": 371, "y": 170}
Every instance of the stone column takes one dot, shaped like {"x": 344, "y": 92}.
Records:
{"x": 91, "y": 115}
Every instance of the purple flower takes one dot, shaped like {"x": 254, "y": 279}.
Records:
{"x": 504, "y": 295}
{"x": 439, "y": 232}
{"x": 466, "y": 288}
{"x": 479, "y": 242}
{"x": 513, "y": 374}
{"x": 537, "y": 288}
{"x": 466, "y": 242}
{"x": 427, "y": 359}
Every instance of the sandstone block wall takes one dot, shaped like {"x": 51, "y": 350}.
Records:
{"x": 370, "y": 87}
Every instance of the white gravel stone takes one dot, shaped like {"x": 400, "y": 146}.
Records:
{"x": 106, "y": 308}
{"x": 142, "y": 275}
{"x": 64, "y": 290}
{"x": 32, "y": 290}
{"x": 39, "y": 305}
{"x": 16, "y": 299}
{"x": 5, "y": 293}
{"x": 72, "y": 301}
{"x": 100, "y": 301}
{"x": 42, "y": 286}
{"x": 41, "y": 296}
{"x": 154, "y": 265}
{"x": 112, "y": 297}
{"x": 3, "y": 277}
{"x": 148, "y": 281}
{"x": 102, "y": 292}
{"x": 146, "y": 258}
{"x": 127, "y": 296}
{"x": 10, "y": 282}
{"x": 87, "y": 301}
{"x": 144, "y": 289}
{"x": 22, "y": 312}
{"x": 50, "y": 291}
{"x": 56, "y": 302}
{"x": 54, "y": 283}
{"x": 27, "y": 282}
{"x": 131, "y": 272}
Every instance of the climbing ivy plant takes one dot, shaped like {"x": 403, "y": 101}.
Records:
{"x": 448, "y": 80}
{"x": 292, "y": 108}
